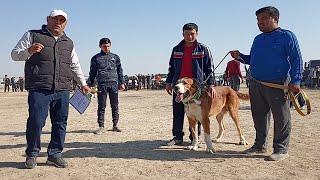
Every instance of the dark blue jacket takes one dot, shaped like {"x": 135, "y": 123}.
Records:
{"x": 201, "y": 57}
{"x": 106, "y": 68}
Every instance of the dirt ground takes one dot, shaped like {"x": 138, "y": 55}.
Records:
{"x": 139, "y": 151}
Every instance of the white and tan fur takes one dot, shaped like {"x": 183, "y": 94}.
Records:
{"x": 200, "y": 109}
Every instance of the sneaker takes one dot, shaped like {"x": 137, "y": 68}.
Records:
{"x": 31, "y": 162}
{"x": 58, "y": 162}
{"x": 116, "y": 129}
{"x": 175, "y": 141}
{"x": 277, "y": 156}
{"x": 255, "y": 150}
{"x": 99, "y": 131}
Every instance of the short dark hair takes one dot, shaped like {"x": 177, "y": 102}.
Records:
{"x": 272, "y": 11}
{"x": 104, "y": 41}
{"x": 190, "y": 26}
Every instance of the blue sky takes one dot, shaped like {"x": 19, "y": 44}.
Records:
{"x": 143, "y": 32}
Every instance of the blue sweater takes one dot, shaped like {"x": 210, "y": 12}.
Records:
{"x": 274, "y": 56}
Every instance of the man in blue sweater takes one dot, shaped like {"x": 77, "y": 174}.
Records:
{"x": 275, "y": 58}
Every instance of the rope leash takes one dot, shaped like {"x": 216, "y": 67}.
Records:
{"x": 292, "y": 97}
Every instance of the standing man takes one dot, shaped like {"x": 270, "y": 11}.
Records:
{"x": 234, "y": 74}
{"x": 188, "y": 59}
{"x": 275, "y": 58}
{"x": 13, "y": 84}
{"x": 6, "y": 81}
{"x": 106, "y": 67}
{"x": 148, "y": 79}
{"x": 50, "y": 61}
{"x": 21, "y": 84}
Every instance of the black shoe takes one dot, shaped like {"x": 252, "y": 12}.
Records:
{"x": 175, "y": 141}
{"x": 116, "y": 129}
{"x": 58, "y": 162}
{"x": 31, "y": 162}
{"x": 255, "y": 150}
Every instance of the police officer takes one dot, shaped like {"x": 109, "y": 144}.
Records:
{"x": 106, "y": 68}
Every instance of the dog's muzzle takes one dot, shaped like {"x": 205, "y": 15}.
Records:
{"x": 180, "y": 92}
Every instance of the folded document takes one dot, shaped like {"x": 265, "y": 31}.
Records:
{"x": 80, "y": 101}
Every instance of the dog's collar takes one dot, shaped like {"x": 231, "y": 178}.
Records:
{"x": 194, "y": 98}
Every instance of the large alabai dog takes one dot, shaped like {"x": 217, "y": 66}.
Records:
{"x": 199, "y": 106}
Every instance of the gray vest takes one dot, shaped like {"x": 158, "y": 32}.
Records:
{"x": 49, "y": 69}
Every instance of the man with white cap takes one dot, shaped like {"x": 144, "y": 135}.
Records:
{"x": 50, "y": 64}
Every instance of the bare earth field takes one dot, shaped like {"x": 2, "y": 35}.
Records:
{"x": 139, "y": 151}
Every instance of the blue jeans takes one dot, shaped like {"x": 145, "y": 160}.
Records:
{"x": 40, "y": 102}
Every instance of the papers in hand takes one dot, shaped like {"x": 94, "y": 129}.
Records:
{"x": 80, "y": 101}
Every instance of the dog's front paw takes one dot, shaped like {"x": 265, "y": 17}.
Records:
{"x": 192, "y": 147}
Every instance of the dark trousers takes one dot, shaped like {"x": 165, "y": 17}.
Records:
{"x": 178, "y": 120}
{"x": 265, "y": 100}
{"x": 235, "y": 82}
{"x": 40, "y": 102}
{"x": 112, "y": 90}
{"x": 6, "y": 88}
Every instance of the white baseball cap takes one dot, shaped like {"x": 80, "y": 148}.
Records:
{"x": 58, "y": 12}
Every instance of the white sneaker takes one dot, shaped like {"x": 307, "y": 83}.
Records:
{"x": 277, "y": 156}
{"x": 99, "y": 131}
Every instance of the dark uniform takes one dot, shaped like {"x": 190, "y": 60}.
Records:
{"x": 6, "y": 81}
{"x": 106, "y": 68}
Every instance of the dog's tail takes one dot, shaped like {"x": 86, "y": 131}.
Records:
{"x": 243, "y": 96}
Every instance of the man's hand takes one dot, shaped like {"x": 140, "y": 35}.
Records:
{"x": 235, "y": 54}
{"x": 169, "y": 89}
{"x": 122, "y": 87}
{"x": 36, "y": 47}
{"x": 294, "y": 88}
{"x": 85, "y": 89}
{"x": 213, "y": 92}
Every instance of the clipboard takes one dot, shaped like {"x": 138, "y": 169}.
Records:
{"x": 80, "y": 101}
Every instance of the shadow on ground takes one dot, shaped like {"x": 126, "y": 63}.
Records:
{"x": 17, "y": 134}
{"x": 143, "y": 149}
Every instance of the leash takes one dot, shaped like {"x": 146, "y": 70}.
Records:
{"x": 292, "y": 97}
{"x": 205, "y": 81}
{"x": 221, "y": 61}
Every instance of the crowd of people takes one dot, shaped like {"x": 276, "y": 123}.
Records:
{"x": 15, "y": 84}
{"x": 141, "y": 81}
{"x": 311, "y": 77}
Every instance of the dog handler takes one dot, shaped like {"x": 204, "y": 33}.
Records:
{"x": 274, "y": 58}
{"x": 188, "y": 59}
